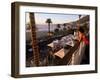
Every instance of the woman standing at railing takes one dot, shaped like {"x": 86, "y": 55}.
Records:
{"x": 82, "y": 38}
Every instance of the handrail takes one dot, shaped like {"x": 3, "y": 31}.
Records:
{"x": 80, "y": 50}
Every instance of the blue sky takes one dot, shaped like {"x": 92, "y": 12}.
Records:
{"x": 40, "y": 18}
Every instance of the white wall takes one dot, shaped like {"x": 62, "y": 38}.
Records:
{"x": 5, "y": 40}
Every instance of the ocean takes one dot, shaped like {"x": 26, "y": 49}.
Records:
{"x": 45, "y": 27}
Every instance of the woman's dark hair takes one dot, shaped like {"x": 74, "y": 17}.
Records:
{"x": 81, "y": 30}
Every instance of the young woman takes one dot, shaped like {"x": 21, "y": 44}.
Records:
{"x": 82, "y": 38}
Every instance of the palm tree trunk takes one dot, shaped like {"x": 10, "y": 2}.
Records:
{"x": 49, "y": 28}
{"x": 79, "y": 22}
{"x": 34, "y": 40}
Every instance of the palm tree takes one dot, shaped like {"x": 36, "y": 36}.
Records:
{"x": 79, "y": 17}
{"x": 58, "y": 26}
{"x": 79, "y": 20}
{"x": 49, "y": 22}
{"x": 64, "y": 29}
{"x": 64, "y": 26}
{"x": 34, "y": 41}
{"x": 56, "y": 31}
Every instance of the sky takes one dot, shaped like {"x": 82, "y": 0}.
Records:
{"x": 40, "y": 18}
